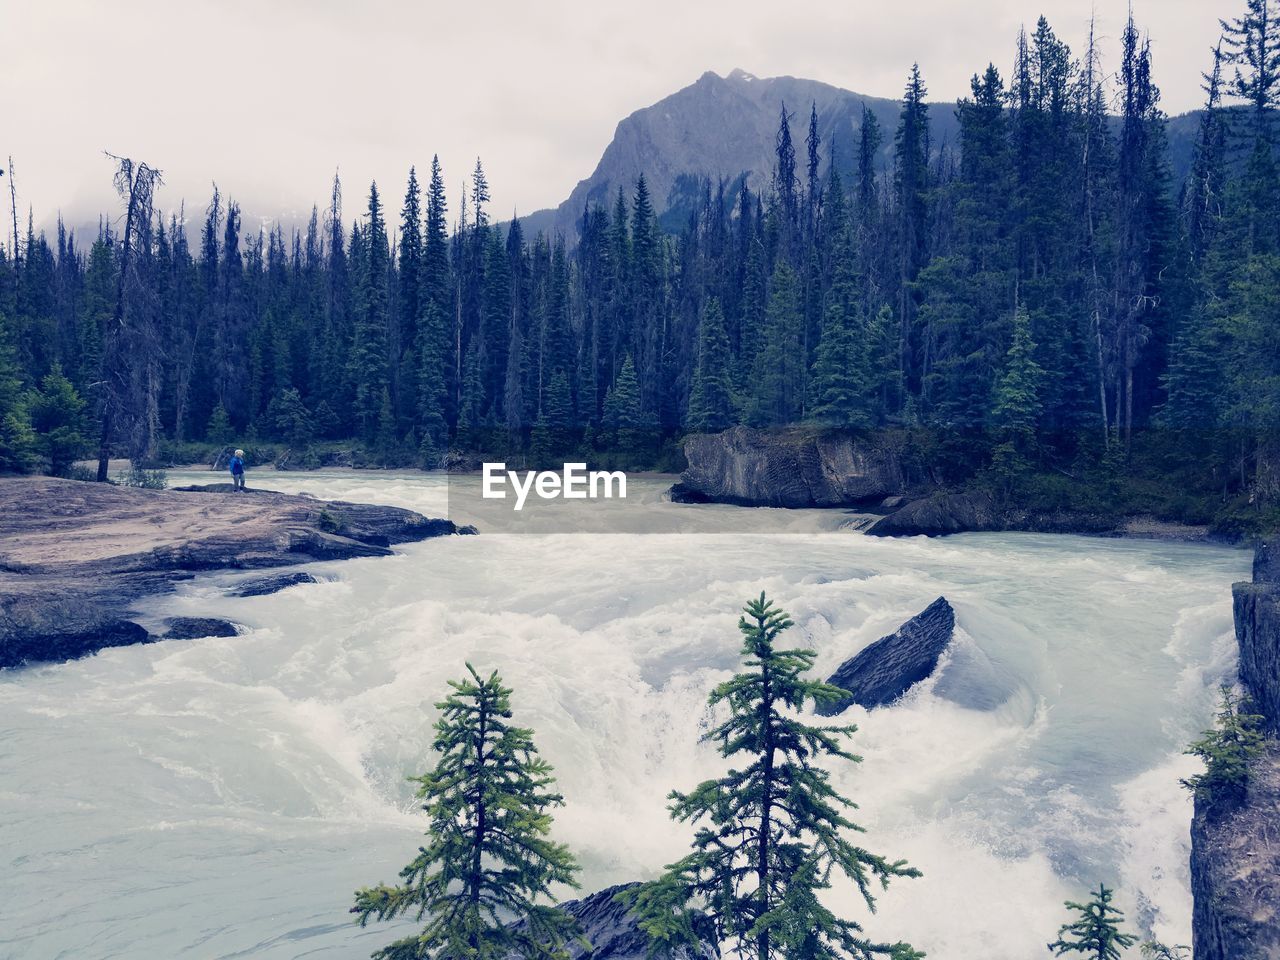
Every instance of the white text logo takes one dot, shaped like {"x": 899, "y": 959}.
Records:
{"x": 575, "y": 482}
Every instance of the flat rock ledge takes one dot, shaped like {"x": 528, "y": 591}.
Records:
{"x": 74, "y": 556}
{"x": 892, "y": 665}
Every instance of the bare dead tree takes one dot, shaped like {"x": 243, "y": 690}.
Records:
{"x": 129, "y": 389}
{"x": 13, "y": 206}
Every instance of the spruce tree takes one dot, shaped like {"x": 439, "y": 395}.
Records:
{"x": 56, "y": 414}
{"x": 291, "y": 419}
{"x": 965, "y": 294}
{"x": 777, "y": 376}
{"x": 1252, "y": 46}
{"x": 410, "y": 260}
{"x": 17, "y": 439}
{"x": 495, "y": 327}
{"x": 369, "y": 345}
{"x": 840, "y": 383}
{"x": 432, "y": 379}
{"x": 771, "y": 833}
{"x": 837, "y": 394}
{"x": 911, "y": 188}
{"x": 711, "y": 397}
{"x": 1015, "y": 403}
{"x": 219, "y": 429}
{"x": 1228, "y": 749}
{"x": 751, "y": 324}
{"x": 1096, "y": 932}
{"x": 622, "y": 410}
{"x": 645, "y": 276}
{"x": 483, "y": 879}
{"x": 784, "y": 180}
{"x": 553, "y": 430}
{"x": 470, "y": 418}
{"x": 385, "y": 441}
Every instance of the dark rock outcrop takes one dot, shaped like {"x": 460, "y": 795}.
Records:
{"x": 1266, "y": 563}
{"x": 1235, "y": 870}
{"x": 1257, "y": 616}
{"x": 884, "y": 671}
{"x": 1235, "y": 841}
{"x": 60, "y": 625}
{"x": 968, "y": 511}
{"x": 612, "y": 933}
{"x": 193, "y": 628}
{"x": 785, "y": 468}
{"x": 262, "y": 586}
{"x": 74, "y": 557}
{"x": 938, "y": 515}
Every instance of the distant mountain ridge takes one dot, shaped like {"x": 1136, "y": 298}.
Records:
{"x": 724, "y": 127}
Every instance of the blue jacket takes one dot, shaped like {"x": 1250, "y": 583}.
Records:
{"x": 237, "y": 466}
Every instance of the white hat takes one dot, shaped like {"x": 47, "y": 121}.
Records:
{"x": 239, "y": 453}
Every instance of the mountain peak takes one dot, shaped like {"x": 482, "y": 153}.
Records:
{"x": 723, "y": 129}
{"x": 719, "y": 128}
{"x": 736, "y": 75}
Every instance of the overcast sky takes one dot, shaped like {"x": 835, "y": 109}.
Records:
{"x": 268, "y": 97}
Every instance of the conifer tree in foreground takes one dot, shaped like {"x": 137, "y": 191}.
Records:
{"x": 770, "y": 835}
{"x": 1096, "y": 933}
{"x": 489, "y": 859}
{"x": 1227, "y": 749}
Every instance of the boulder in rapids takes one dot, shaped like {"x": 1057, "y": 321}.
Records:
{"x": 884, "y": 671}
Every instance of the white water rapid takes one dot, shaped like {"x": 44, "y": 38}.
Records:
{"x": 222, "y": 798}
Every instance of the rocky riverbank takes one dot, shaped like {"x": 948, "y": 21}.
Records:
{"x": 1235, "y": 844}
{"x": 786, "y": 468}
{"x": 74, "y": 557}
{"x": 796, "y": 467}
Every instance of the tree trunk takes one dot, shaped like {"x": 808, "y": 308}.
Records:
{"x": 112, "y": 339}
{"x": 477, "y": 847}
{"x": 766, "y": 814}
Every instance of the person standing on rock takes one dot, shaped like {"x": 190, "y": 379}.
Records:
{"x": 237, "y": 470}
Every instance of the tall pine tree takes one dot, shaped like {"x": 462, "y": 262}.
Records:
{"x": 490, "y": 860}
{"x": 770, "y": 834}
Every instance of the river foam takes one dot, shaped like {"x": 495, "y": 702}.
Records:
{"x": 223, "y": 797}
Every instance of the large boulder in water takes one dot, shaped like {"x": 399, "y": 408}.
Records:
{"x": 611, "y": 930}
{"x": 938, "y": 515}
{"x": 263, "y": 586}
{"x": 195, "y": 628}
{"x": 786, "y": 468}
{"x": 884, "y": 671}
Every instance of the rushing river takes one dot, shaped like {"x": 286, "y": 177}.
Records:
{"x": 223, "y": 798}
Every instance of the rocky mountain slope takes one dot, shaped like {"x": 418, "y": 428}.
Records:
{"x": 724, "y": 127}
